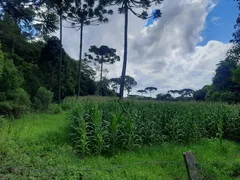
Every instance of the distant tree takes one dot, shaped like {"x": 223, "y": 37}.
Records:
{"x": 114, "y": 83}
{"x": 84, "y": 14}
{"x": 173, "y": 92}
{"x": 151, "y": 89}
{"x": 164, "y": 97}
{"x": 186, "y": 92}
{"x": 104, "y": 88}
{"x": 102, "y": 55}
{"x": 142, "y": 92}
{"x": 129, "y": 83}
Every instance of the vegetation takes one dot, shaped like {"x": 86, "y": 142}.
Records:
{"x": 40, "y": 139}
{"x": 104, "y": 128}
{"x": 102, "y": 55}
{"x": 37, "y": 147}
{"x": 151, "y": 90}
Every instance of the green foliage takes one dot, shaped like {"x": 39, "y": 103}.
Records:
{"x": 1, "y": 61}
{"x": 236, "y": 76}
{"x": 11, "y": 79}
{"x": 20, "y": 96}
{"x": 43, "y": 99}
{"x": 55, "y": 109}
{"x": 110, "y": 126}
{"x": 12, "y": 110}
{"x": 33, "y": 78}
{"x": 15, "y": 104}
{"x": 200, "y": 94}
{"x": 37, "y": 147}
{"x": 222, "y": 81}
{"x": 164, "y": 97}
{"x": 14, "y": 101}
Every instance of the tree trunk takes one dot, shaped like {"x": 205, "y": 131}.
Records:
{"x": 60, "y": 60}
{"x": 101, "y": 76}
{"x": 125, "y": 52}
{"x": 80, "y": 61}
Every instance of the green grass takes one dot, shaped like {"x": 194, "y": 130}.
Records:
{"x": 37, "y": 147}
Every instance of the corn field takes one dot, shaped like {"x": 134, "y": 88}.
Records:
{"x": 113, "y": 126}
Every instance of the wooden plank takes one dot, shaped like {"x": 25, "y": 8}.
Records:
{"x": 191, "y": 165}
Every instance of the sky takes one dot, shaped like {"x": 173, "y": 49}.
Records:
{"x": 179, "y": 50}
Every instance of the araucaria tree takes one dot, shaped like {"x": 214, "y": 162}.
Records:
{"x": 85, "y": 13}
{"x": 141, "y": 91}
{"x": 151, "y": 89}
{"x": 30, "y": 16}
{"x": 102, "y": 55}
{"x": 129, "y": 83}
{"x": 124, "y": 7}
{"x": 114, "y": 83}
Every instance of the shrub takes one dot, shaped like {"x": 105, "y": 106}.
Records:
{"x": 21, "y": 97}
{"x": 68, "y": 104}
{"x": 43, "y": 99}
{"x": 11, "y": 109}
{"x": 55, "y": 109}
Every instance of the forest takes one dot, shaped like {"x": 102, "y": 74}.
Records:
{"x": 65, "y": 118}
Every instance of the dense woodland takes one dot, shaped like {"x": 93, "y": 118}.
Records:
{"x": 35, "y": 69}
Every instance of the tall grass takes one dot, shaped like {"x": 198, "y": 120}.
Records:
{"x": 106, "y": 127}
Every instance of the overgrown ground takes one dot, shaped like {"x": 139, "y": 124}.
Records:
{"x": 37, "y": 147}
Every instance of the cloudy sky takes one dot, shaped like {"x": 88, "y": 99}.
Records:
{"x": 179, "y": 50}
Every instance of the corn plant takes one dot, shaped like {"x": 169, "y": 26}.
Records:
{"x": 99, "y": 132}
{"x": 79, "y": 131}
{"x": 112, "y": 126}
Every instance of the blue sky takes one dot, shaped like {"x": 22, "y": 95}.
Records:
{"x": 220, "y": 22}
{"x": 150, "y": 20}
{"x": 221, "y": 30}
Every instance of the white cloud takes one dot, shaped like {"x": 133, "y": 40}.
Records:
{"x": 164, "y": 54}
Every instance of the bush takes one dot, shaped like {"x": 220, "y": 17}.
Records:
{"x": 15, "y": 104}
{"x": 55, "y": 109}
{"x": 11, "y": 109}
{"x": 67, "y": 104}
{"x": 43, "y": 99}
{"x": 21, "y": 97}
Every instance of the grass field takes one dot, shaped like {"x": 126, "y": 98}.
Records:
{"x": 38, "y": 146}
